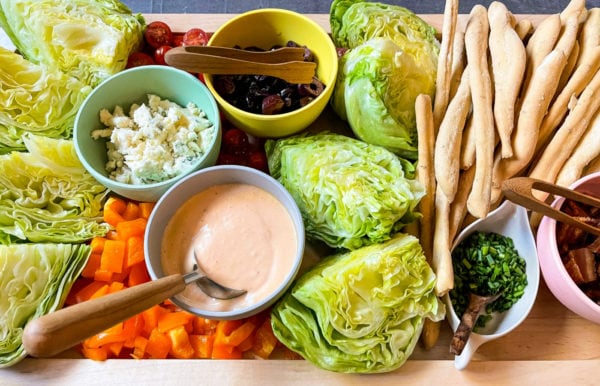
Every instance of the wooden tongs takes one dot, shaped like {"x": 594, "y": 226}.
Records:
{"x": 519, "y": 191}
{"x": 286, "y": 63}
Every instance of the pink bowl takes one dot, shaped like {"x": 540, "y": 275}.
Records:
{"x": 555, "y": 274}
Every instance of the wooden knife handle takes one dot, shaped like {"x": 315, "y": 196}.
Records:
{"x": 53, "y": 333}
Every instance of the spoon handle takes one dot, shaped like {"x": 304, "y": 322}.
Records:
{"x": 467, "y": 322}
{"x": 55, "y": 332}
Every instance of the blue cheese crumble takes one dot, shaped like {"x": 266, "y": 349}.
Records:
{"x": 155, "y": 142}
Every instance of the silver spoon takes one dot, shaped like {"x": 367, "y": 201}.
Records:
{"x": 53, "y": 333}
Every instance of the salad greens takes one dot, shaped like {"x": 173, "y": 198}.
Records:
{"x": 35, "y": 280}
{"x": 361, "y": 311}
{"x": 46, "y": 195}
{"x": 87, "y": 39}
{"x": 487, "y": 263}
{"x": 350, "y": 193}
{"x": 36, "y": 99}
{"x": 392, "y": 58}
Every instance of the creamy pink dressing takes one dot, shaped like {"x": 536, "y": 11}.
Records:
{"x": 243, "y": 237}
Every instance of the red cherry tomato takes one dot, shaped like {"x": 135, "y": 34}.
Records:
{"x": 195, "y": 37}
{"x": 159, "y": 54}
{"x": 177, "y": 39}
{"x": 158, "y": 34}
{"x": 138, "y": 58}
{"x": 258, "y": 160}
{"x": 235, "y": 140}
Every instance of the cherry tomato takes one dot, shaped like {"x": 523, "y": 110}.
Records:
{"x": 138, "y": 58}
{"x": 159, "y": 54}
{"x": 195, "y": 37}
{"x": 177, "y": 39}
{"x": 258, "y": 160}
{"x": 235, "y": 140}
{"x": 158, "y": 34}
{"x": 227, "y": 159}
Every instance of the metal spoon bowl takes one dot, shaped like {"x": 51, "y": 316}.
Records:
{"x": 512, "y": 221}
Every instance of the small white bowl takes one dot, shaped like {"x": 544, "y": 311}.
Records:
{"x": 197, "y": 182}
{"x": 512, "y": 221}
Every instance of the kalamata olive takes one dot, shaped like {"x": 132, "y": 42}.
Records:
{"x": 313, "y": 89}
{"x": 225, "y": 85}
{"x": 272, "y": 104}
{"x": 305, "y": 100}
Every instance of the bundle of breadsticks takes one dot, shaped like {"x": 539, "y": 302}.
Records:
{"x": 513, "y": 97}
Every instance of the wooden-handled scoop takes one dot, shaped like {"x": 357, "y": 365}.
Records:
{"x": 284, "y": 63}
{"x": 519, "y": 191}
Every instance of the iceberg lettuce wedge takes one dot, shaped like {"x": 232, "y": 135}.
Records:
{"x": 35, "y": 99}
{"x": 87, "y": 39}
{"x": 360, "y": 311}
{"x": 46, "y": 195}
{"x": 350, "y": 193}
{"x": 34, "y": 280}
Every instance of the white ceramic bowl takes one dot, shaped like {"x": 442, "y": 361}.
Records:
{"x": 197, "y": 182}
{"x": 555, "y": 274}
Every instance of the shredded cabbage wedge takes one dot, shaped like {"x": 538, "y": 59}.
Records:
{"x": 35, "y": 99}
{"x": 361, "y": 311}
{"x": 35, "y": 281}
{"x": 46, "y": 195}
{"x": 350, "y": 193}
{"x": 87, "y": 39}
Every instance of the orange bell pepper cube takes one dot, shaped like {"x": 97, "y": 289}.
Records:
{"x": 180, "y": 343}
{"x": 223, "y": 351}
{"x": 114, "y": 348}
{"x": 97, "y": 244}
{"x": 88, "y": 291}
{"x": 97, "y": 354}
{"x": 233, "y": 335}
{"x": 265, "y": 340}
{"x": 151, "y": 316}
{"x": 127, "y": 229}
{"x": 131, "y": 212}
{"x": 159, "y": 345}
{"x": 110, "y": 335}
{"x": 92, "y": 265}
{"x": 103, "y": 275}
{"x": 113, "y": 208}
{"x": 135, "y": 250}
{"x": 203, "y": 345}
{"x": 139, "y": 347}
{"x": 132, "y": 328}
{"x": 204, "y": 326}
{"x": 146, "y": 209}
{"x": 113, "y": 256}
{"x": 171, "y": 320}
{"x": 138, "y": 274}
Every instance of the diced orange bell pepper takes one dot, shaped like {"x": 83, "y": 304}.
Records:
{"x": 77, "y": 286}
{"x": 97, "y": 354}
{"x": 203, "y": 345}
{"x": 180, "y": 343}
{"x": 159, "y": 345}
{"x": 127, "y": 229}
{"x": 204, "y": 326}
{"x": 138, "y": 274}
{"x": 135, "y": 250}
{"x": 92, "y": 265}
{"x": 265, "y": 340}
{"x": 151, "y": 316}
{"x": 113, "y": 256}
{"x": 171, "y": 320}
{"x": 139, "y": 347}
{"x": 132, "y": 328}
{"x": 88, "y": 291}
{"x": 114, "y": 348}
{"x": 223, "y": 351}
{"x": 115, "y": 286}
{"x": 97, "y": 244}
{"x": 110, "y": 335}
{"x": 131, "y": 212}
{"x": 146, "y": 209}
{"x": 113, "y": 208}
{"x": 103, "y": 275}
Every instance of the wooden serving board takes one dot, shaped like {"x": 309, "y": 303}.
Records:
{"x": 552, "y": 346}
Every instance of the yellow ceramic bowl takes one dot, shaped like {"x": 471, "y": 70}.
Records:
{"x": 265, "y": 28}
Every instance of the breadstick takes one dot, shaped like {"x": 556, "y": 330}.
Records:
{"x": 458, "y": 60}
{"x": 442, "y": 258}
{"x": 569, "y": 66}
{"x": 566, "y": 137}
{"x": 524, "y": 28}
{"x": 587, "y": 149}
{"x": 425, "y": 171}
{"x": 535, "y": 104}
{"x": 592, "y": 167}
{"x": 508, "y": 58}
{"x": 458, "y": 207}
{"x": 444, "y": 69}
{"x": 541, "y": 42}
{"x": 579, "y": 79}
{"x": 574, "y": 8}
{"x": 589, "y": 37}
{"x": 476, "y": 45}
{"x": 467, "y": 151}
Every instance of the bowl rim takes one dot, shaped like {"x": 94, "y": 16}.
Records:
{"x": 104, "y": 179}
{"x": 330, "y": 82}
{"x": 552, "y": 253}
{"x": 294, "y": 213}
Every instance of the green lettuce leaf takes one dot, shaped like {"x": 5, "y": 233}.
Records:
{"x": 34, "y": 280}
{"x": 360, "y": 311}
{"x": 46, "y": 195}
{"x": 87, "y": 39}
{"x": 350, "y": 193}
{"x": 392, "y": 58}
{"x": 35, "y": 99}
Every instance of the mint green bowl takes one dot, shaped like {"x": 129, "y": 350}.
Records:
{"x": 124, "y": 89}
